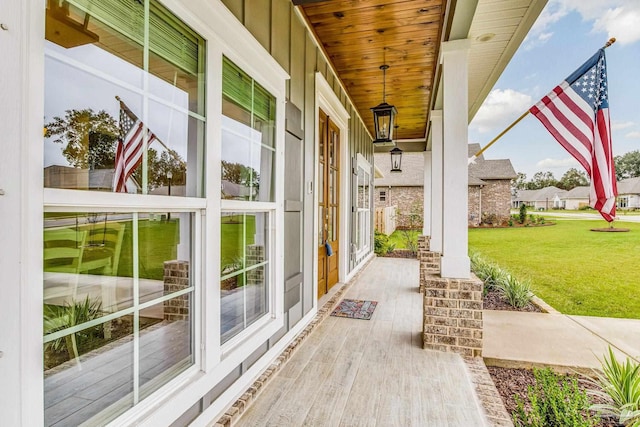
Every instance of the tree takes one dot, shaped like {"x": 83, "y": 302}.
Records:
{"x": 158, "y": 167}
{"x": 627, "y": 165}
{"x": 542, "y": 180}
{"x": 240, "y": 174}
{"x": 90, "y": 137}
{"x": 519, "y": 183}
{"x": 573, "y": 178}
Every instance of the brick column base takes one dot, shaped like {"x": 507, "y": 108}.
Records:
{"x": 429, "y": 265}
{"x": 176, "y": 278}
{"x": 453, "y": 315}
{"x": 423, "y": 248}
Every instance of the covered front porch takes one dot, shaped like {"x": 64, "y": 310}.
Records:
{"x": 343, "y": 371}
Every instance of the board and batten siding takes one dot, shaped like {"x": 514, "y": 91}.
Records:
{"x": 280, "y": 30}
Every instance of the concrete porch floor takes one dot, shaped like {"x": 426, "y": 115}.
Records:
{"x": 351, "y": 372}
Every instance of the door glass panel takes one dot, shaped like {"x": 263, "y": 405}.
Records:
{"x": 334, "y": 189}
{"x": 321, "y": 222}
{"x": 334, "y": 223}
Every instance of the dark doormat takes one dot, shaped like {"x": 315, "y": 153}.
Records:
{"x": 355, "y": 309}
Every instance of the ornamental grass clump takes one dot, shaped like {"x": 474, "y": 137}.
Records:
{"x": 516, "y": 292}
{"x": 553, "y": 401}
{"x": 490, "y": 274}
{"x": 620, "y": 384}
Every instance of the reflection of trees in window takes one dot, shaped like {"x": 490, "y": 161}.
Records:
{"x": 240, "y": 174}
{"x": 91, "y": 138}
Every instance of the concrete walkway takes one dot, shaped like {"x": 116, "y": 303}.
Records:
{"x": 351, "y": 372}
{"x": 526, "y": 339}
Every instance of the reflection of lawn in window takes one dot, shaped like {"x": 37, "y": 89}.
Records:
{"x": 231, "y": 232}
{"x": 157, "y": 240}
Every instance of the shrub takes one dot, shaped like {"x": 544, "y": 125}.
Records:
{"x": 381, "y": 244}
{"x": 516, "y": 292}
{"x": 554, "y": 401}
{"x": 523, "y": 213}
{"x": 57, "y": 318}
{"x": 620, "y": 382}
{"x": 510, "y": 222}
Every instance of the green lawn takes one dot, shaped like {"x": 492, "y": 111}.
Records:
{"x": 399, "y": 237}
{"x": 575, "y": 270}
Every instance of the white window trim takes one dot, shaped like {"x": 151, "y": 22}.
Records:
{"x": 361, "y": 162}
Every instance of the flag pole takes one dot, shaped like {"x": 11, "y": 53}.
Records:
{"x": 609, "y": 42}
{"x": 475, "y": 156}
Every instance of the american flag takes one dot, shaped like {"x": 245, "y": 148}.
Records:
{"x": 130, "y": 147}
{"x": 576, "y": 112}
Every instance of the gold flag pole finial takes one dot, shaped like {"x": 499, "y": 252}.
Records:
{"x": 611, "y": 41}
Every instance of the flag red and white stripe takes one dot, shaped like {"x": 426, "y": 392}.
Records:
{"x": 130, "y": 147}
{"x": 576, "y": 113}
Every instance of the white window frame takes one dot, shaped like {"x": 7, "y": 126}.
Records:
{"x": 362, "y": 163}
{"x": 70, "y": 200}
{"x": 224, "y": 35}
{"x": 382, "y": 195}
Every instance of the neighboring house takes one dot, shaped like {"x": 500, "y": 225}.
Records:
{"x": 576, "y": 198}
{"x": 199, "y": 310}
{"x": 57, "y": 176}
{"x": 541, "y": 199}
{"x": 489, "y": 188}
{"x": 629, "y": 193}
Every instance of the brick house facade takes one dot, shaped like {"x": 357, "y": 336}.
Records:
{"x": 489, "y": 188}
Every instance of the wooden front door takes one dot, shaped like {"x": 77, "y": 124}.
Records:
{"x": 328, "y": 202}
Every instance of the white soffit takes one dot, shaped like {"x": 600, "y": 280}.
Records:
{"x": 506, "y": 24}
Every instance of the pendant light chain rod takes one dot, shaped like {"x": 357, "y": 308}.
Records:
{"x": 384, "y": 68}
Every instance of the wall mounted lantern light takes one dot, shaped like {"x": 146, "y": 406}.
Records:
{"x": 396, "y": 160}
{"x": 384, "y": 116}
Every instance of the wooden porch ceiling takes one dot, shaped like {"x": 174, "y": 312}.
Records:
{"x": 361, "y": 35}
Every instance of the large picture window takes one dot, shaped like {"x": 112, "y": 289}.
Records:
{"x": 248, "y": 205}
{"x": 124, "y": 113}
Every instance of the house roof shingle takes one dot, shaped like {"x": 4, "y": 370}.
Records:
{"x": 541, "y": 195}
{"x": 581, "y": 192}
{"x": 629, "y": 186}
{"x": 412, "y": 174}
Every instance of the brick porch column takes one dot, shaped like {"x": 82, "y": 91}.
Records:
{"x": 176, "y": 278}
{"x": 453, "y": 315}
{"x": 429, "y": 260}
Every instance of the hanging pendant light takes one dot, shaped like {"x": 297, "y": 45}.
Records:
{"x": 396, "y": 160}
{"x": 396, "y": 155}
{"x": 384, "y": 116}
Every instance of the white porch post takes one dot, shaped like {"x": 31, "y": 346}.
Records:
{"x": 435, "y": 244}
{"x": 455, "y": 260}
{"x": 426, "y": 206}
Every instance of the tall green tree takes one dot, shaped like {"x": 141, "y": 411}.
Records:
{"x": 573, "y": 178}
{"x": 160, "y": 165}
{"x": 90, "y": 137}
{"x": 519, "y": 183}
{"x": 627, "y": 165}
{"x": 542, "y": 180}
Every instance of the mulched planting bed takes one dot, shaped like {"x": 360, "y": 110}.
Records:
{"x": 493, "y": 300}
{"x": 511, "y": 382}
{"x": 401, "y": 253}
